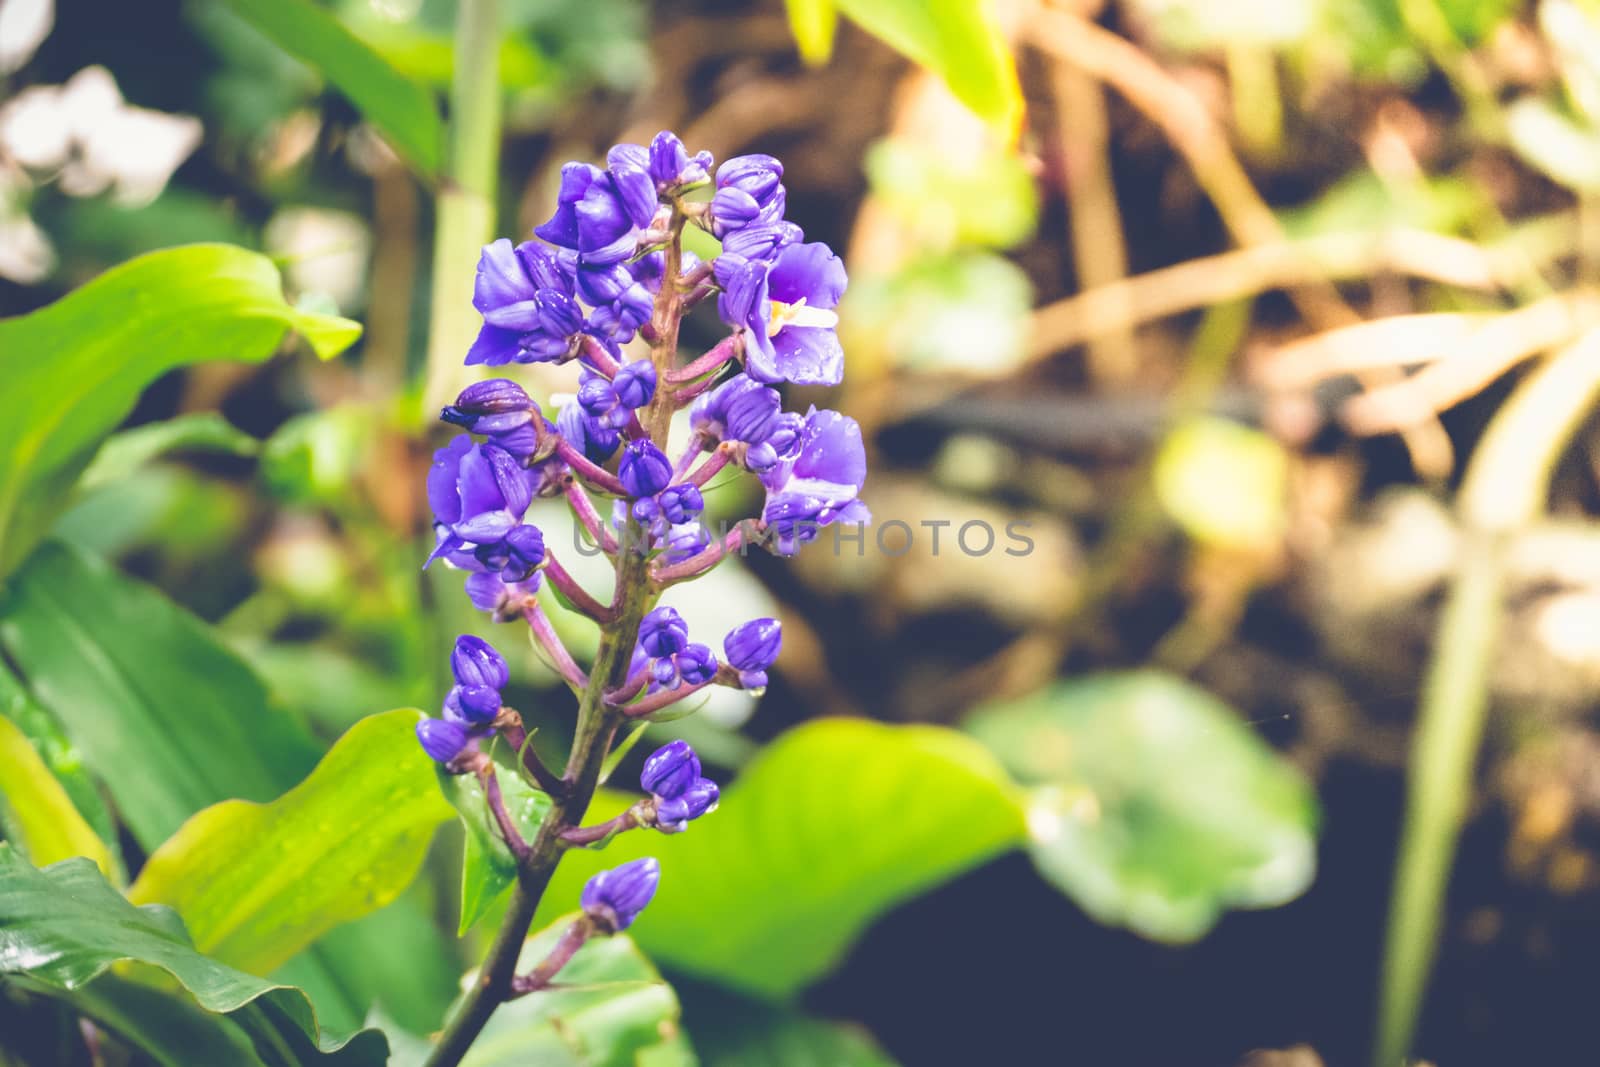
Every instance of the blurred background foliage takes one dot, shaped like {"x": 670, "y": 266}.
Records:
{"x": 1268, "y": 326}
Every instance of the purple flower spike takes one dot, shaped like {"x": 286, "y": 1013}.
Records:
{"x": 441, "y": 739}
{"x": 614, "y": 898}
{"x": 670, "y": 770}
{"x": 752, "y": 648}
{"x": 644, "y": 470}
{"x": 674, "y": 814}
{"x": 475, "y": 661}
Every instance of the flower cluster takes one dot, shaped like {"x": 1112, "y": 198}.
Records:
{"x": 605, "y": 277}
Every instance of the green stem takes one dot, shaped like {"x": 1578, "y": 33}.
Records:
{"x": 464, "y": 208}
{"x": 1504, "y": 491}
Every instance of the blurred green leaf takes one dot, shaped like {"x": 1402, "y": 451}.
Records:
{"x": 37, "y": 813}
{"x": 833, "y": 824}
{"x": 813, "y": 23}
{"x": 404, "y": 112}
{"x": 91, "y": 353}
{"x": 189, "y": 516}
{"x": 966, "y": 312}
{"x": 1361, "y": 202}
{"x": 1224, "y": 483}
{"x": 735, "y": 1031}
{"x": 958, "y": 40}
{"x": 1561, "y": 146}
{"x": 125, "y": 452}
{"x": 65, "y": 926}
{"x": 616, "y": 1012}
{"x": 1157, "y": 807}
{"x": 60, "y": 755}
{"x": 332, "y": 688}
{"x": 988, "y": 200}
{"x": 488, "y": 868}
{"x": 168, "y": 717}
{"x": 312, "y": 459}
{"x": 257, "y": 883}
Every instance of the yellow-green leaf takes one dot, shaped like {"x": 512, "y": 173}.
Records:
{"x": 38, "y": 811}
{"x": 255, "y": 883}
{"x": 1225, "y": 484}
{"x": 813, "y": 23}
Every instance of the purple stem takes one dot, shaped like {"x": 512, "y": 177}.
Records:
{"x": 538, "y": 978}
{"x": 710, "y": 467}
{"x": 599, "y": 476}
{"x": 703, "y": 560}
{"x": 576, "y": 595}
{"x": 725, "y": 350}
{"x": 595, "y": 354}
{"x": 497, "y": 807}
{"x": 545, "y": 634}
{"x": 584, "y": 508}
{"x": 662, "y": 698}
{"x": 588, "y": 835}
{"x": 696, "y": 446}
{"x": 516, "y": 735}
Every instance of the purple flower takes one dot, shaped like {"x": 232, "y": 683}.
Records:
{"x": 820, "y": 485}
{"x": 684, "y": 541}
{"x": 496, "y": 406}
{"x": 473, "y": 704}
{"x": 502, "y": 599}
{"x": 674, "y": 814}
{"x": 670, "y": 770}
{"x": 663, "y": 633}
{"x": 442, "y": 739}
{"x": 614, "y": 898}
{"x": 743, "y": 410}
{"x": 516, "y": 556}
{"x": 749, "y": 193}
{"x": 475, "y": 661}
{"x": 599, "y": 213}
{"x": 761, "y": 242}
{"x": 786, "y": 309}
{"x": 525, "y": 295}
{"x": 587, "y": 434}
{"x": 479, "y": 493}
{"x": 644, "y": 469}
{"x": 695, "y": 665}
{"x": 616, "y": 318}
{"x": 752, "y": 648}
{"x": 612, "y": 403}
{"x": 672, "y": 166}
{"x": 680, "y": 503}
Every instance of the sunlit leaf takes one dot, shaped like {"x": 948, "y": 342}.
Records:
{"x": 64, "y": 926}
{"x": 1156, "y": 807}
{"x": 488, "y": 868}
{"x": 813, "y": 23}
{"x": 91, "y": 353}
{"x": 37, "y": 813}
{"x": 833, "y": 824}
{"x": 255, "y": 883}
{"x": 957, "y": 39}
{"x": 403, "y": 111}
{"x": 1561, "y": 146}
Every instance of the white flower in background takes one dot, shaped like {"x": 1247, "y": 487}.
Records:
{"x": 24, "y": 24}
{"x": 95, "y": 141}
{"x": 326, "y": 251}
{"x": 26, "y": 254}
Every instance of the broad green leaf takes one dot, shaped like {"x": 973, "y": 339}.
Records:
{"x": 1224, "y": 483}
{"x": 615, "y": 1011}
{"x": 171, "y": 1030}
{"x": 734, "y": 1031}
{"x": 813, "y": 23}
{"x": 64, "y": 926}
{"x": 184, "y": 513}
{"x": 256, "y": 883}
{"x": 403, "y": 111}
{"x": 488, "y": 868}
{"x": 957, "y": 39}
{"x": 37, "y": 813}
{"x": 1156, "y": 807}
{"x": 83, "y": 361}
{"x": 312, "y": 459}
{"x": 165, "y": 715}
{"x": 833, "y": 824}
{"x": 125, "y": 452}
{"x": 63, "y": 758}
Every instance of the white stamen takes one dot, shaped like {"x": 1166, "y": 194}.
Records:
{"x": 798, "y": 314}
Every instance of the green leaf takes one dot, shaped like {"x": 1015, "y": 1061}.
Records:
{"x": 256, "y": 883}
{"x": 957, "y": 39}
{"x": 403, "y": 111}
{"x": 733, "y": 1031}
{"x": 64, "y": 926}
{"x": 833, "y": 824}
{"x": 37, "y": 813}
{"x": 312, "y": 459}
{"x": 169, "y": 718}
{"x": 1157, "y": 807}
{"x": 488, "y": 868}
{"x": 987, "y": 200}
{"x": 171, "y": 1030}
{"x": 1224, "y": 483}
{"x": 63, "y": 758}
{"x": 125, "y": 452}
{"x": 614, "y": 1011}
{"x": 813, "y": 23}
{"x": 87, "y": 357}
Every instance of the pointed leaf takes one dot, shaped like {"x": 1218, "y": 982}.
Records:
{"x": 84, "y": 360}
{"x": 37, "y": 812}
{"x": 833, "y": 824}
{"x": 256, "y": 883}
{"x": 488, "y": 868}
{"x": 64, "y": 926}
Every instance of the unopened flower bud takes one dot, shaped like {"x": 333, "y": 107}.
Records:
{"x": 674, "y": 814}
{"x": 670, "y": 770}
{"x": 476, "y": 662}
{"x": 645, "y": 470}
{"x": 663, "y": 633}
{"x": 441, "y": 739}
{"x": 681, "y": 503}
{"x": 614, "y": 898}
